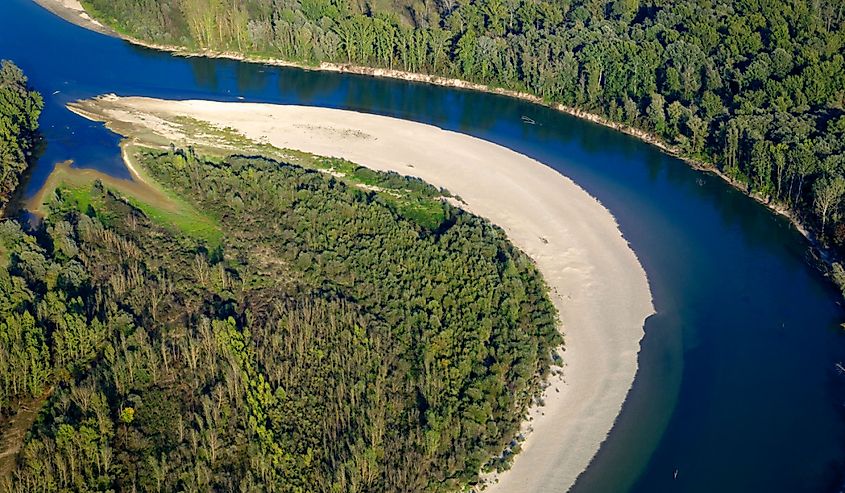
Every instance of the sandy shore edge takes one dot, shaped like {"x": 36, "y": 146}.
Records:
{"x": 596, "y": 281}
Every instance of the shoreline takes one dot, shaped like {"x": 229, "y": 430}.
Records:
{"x": 595, "y": 280}
{"x": 823, "y": 256}
{"x": 82, "y": 19}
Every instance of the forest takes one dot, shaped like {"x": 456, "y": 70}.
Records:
{"x": 20, "y": 107}
{"x": 327, "y": 339}
{"x": 755, "y": 88}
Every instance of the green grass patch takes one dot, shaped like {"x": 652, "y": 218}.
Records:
{"x": 83, "y": 190}
{"x": 108, "y": 20}
{"x": 87, "y": 199}
{"x": 185, "y": 220}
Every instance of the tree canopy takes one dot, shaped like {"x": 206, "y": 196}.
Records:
{"x": 20, "y": 107}
{"x": 329, "y": 339}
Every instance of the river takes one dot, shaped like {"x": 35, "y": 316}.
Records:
{"x": 737, "y": 389}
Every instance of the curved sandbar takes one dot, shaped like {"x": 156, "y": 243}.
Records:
{"x": 597, "y": 283}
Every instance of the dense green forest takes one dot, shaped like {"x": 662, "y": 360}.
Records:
{"x": 755, "y": 87}
{"x": 20, "y": 108}
{"x": 323, "y": 339}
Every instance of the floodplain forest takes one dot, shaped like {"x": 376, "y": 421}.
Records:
{"x": 316, "y": 337}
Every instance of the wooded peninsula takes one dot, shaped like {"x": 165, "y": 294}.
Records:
{"x": 258, "y": 325}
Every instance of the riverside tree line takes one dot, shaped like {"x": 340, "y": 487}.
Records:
{"x": 755, "y": 87}
{"x": 20, "y": 107}
{"x": 325, "y": 338}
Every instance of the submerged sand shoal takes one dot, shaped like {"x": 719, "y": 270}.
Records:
{"x": 596, "y": 281}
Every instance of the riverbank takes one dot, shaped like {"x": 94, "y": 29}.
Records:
{"x": 80, "y": 17}
{"x": 596, "y": 281}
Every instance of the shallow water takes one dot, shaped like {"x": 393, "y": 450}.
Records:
{"x": 737, "y": 389}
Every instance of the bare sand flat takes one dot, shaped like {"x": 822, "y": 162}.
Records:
{"x": 596, "y": 281}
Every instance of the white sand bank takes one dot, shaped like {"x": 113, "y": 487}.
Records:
{"x": 597, "y": 283}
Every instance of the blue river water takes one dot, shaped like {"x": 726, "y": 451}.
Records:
{"x": 737, "y": 389}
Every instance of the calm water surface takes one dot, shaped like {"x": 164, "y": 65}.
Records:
{"x": 737, "y": 390}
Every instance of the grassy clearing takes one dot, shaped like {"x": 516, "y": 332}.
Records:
{"x": 165, "y": 207}
{"x": 186, "y": 221}
{"x": 82, "y": 189}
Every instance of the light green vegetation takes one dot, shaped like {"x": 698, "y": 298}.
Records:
{"x": 77, "y": 189}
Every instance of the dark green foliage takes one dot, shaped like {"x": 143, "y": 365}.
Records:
{"x": 329, "y": 343}
{"x": 20, "y": 107}
{"x": 755, "y": 87}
